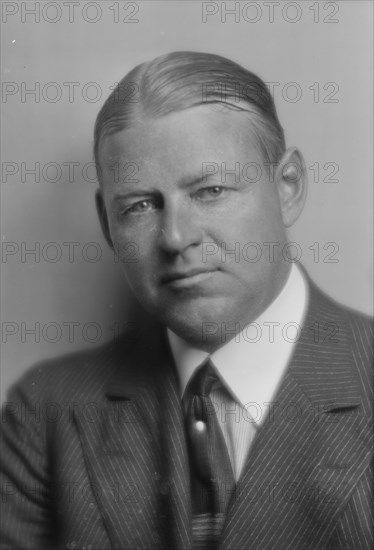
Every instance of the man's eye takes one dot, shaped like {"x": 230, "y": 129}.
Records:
{"x": 211, "y": 192}
{"x": 140, "y": 207}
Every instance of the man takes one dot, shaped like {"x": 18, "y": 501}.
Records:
{"x": 238, "y": 414}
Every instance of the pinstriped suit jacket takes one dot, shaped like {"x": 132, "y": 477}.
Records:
{"x": 94, "y": 453}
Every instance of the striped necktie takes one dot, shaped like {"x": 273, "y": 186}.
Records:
{"x": 212, "y": 479}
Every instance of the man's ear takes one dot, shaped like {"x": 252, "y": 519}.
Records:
{"x": 292, "y": 184}
{"x": 103, "y": 216}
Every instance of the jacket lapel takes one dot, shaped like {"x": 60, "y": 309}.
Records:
{"x": 135, "y": 453}
{"x": 311, "y": 451}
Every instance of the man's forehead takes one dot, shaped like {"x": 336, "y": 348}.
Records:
{"x": 189, "y": 134}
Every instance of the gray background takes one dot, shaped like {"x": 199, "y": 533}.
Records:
{"x": 307, "y": 47}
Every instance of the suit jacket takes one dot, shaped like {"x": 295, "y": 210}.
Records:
{"x": 94, "y": 452}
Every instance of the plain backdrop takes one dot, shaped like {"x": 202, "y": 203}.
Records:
{"x": 317, "y": 59}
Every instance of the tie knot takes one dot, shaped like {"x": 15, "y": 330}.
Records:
{"x": 202, "y": 380}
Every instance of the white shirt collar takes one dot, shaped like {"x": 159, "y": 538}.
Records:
{"x": 253, "y": 363}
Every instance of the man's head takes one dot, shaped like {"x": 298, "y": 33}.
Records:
{"x": 191, "y": 160}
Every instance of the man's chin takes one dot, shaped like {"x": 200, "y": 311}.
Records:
{"x": 200, "y": 324}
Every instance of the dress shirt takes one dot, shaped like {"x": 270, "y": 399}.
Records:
{"x": 250, "y": 365}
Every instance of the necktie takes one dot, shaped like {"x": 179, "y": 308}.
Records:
{"x": 212, "y": 479}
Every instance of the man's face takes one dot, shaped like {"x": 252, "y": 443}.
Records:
{"x": 192, "y": 244}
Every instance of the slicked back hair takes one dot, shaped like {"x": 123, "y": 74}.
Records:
{"x": 181, "y": 80}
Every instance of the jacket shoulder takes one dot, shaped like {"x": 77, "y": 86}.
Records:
{"x": 358, "y": 324}
{"x": 330, "y": 308}
{"x": 75, "y": 376}
{"x": 354, "y": 330}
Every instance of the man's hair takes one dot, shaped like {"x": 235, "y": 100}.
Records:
{"x": 181, "y": 80}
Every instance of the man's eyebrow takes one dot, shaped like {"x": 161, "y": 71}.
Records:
{"x": 185, "y": 181}
{"x": 189, "y": 181}
{"x": 129, "y": 194}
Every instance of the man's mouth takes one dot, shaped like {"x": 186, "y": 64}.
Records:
{"x": 179, "y": 279}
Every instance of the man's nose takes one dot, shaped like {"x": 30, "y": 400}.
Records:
{"x": 179, "y": 229}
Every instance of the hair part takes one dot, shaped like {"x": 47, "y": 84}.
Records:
{"x": 181, "y": 80}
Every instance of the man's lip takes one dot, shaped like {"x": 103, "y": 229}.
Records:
{"x": 174, "y": 276}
